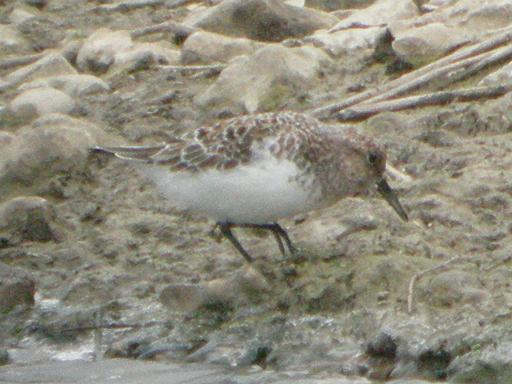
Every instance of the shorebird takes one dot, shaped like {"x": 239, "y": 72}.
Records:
{"x": 253, "y": 170}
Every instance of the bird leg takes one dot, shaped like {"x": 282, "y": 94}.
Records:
{"x": 279, "y": 233}
{"x": 225, "y": 229}
{"x": 276, "y": 228}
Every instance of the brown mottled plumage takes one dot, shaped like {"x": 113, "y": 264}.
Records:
{"x": 253, "y": 170}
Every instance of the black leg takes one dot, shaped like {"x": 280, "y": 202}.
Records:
{"x": 278, "y": 232}
{"x": 225, "y": 229}
{"x": 279, "y": 243}
{"x": 282, "y": 232}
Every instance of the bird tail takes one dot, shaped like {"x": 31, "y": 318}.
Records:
{"x": 132, "y": 153}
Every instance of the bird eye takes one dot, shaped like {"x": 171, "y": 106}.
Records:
{"x": 372, "y": 157}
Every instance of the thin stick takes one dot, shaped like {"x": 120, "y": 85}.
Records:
{"x": 128, "y": 5}
{"x": 97, "y": 326}
{"x": 364, "y": 111}
{"x": 192, "y": 68}
{"x": 167, "y": 26}
{"x": 479, "y": 50}
{"x": 419, "y": 275}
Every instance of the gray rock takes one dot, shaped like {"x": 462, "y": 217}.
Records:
{"x": 5, "y": 138}
{"x": 41, "y": 101}
{"x": 206, "y": 47}
{"x": 503, "y": 76}
{"x": 380, "y": 13}
{"x": 98, "y": 52}
{"x": 37, "y": 154}
{"x": 143, "y": 55}
{"x": 332, "y": 5}
{"x": 454, "y": 287}
{"x": 72, "y": 85}
{"x": 36, "y": 3}
{"x": 277, "y": 74}
{"x": 11, "y": 41}
{"x": 16, "y": 288}
{"x": 240, "y": 287}
{"x": 491, "y": 364}
{"x": 20, "y": 15}
{"x": 41, "y": 32}
{"x": 346, "y": 41}
{"x": 425, "y": 44}
{"x": 105, "y": 49}
{"x": 4, "y": 357}
{"x": 52, "y": 64}
{"x": 265, "y": 20}
{"x": 26, "y": 218}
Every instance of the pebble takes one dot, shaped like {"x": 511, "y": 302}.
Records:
{"x": 341, "y": 43}
{"x": 333, "y": 5}
{"x": 98, "y": 51}
{"x": 263, "y": 20}
{"x": 35, "y": 155}
{"x": 106, "y": 49}
{"x": 207, "y": 47}
{"x": 26, "y": 218}
{"x": 41, "y": 101}
{"x": 52, "y": 64}
{"x": 72, "y": 85}
{"x": 502, "y": 76}
{"x": 278, "y": 75}
{"x": 379, "y": 13}
{"x": 11, "y": 40}
{"x": 224, "y": 291}
{"x": 17, "y": 287}
{"x": 425, "y": 44}
{"x": 20, "y": 15}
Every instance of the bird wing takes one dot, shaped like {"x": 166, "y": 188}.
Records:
{"x": 222, "y": 146}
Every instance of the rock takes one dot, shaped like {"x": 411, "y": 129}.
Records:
{"x": 144, "y": 55}
{"x": 20, "y": 15}
{"x": 380, "y": 13}
{"x": 37, "y": 3}
{"x": 16, "y": 288}
{"x": 382, "y": 345}
{"x": 106, "y": 48}
{"x": 425, "y": 44}
{"x": 98, "y": 52}
{"x": 277, "y": 74}
{"x": 11, "y": 41}
{"x": 206, "y": 47}
{"x": 26, "y": 218}
{"x": 41, "y": 101}
{"x": 481, "y": 17}
{"x": 342, "y": 42}
{"x": 493, "y": 364}
{"x": 454, "y": 287}
{"x": 53, "y": 64}
{"x": 37, "y": 154}
{"x": 332, "y": 5}
{"x": 224, "y": 291}
{"x": 41, "y": 32}
{"x": 4, "y": 357}
{"x": 5, "y": 139}
{"x": 265, "y": 20}
{"x": 502, "y": 76}
{"x": 72, "y": 85}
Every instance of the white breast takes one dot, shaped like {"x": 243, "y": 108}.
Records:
{"x": 259, "y": 192}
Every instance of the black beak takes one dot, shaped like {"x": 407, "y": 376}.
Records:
{"x": 390, "y": 196}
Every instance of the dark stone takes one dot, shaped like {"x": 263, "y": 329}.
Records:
{"x": 382, "y": 345}
{"x": 16, "y": 288}
{"x": 263, "y": 20}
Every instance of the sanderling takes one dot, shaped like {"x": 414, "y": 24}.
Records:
{"x": 253, "y": 170}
